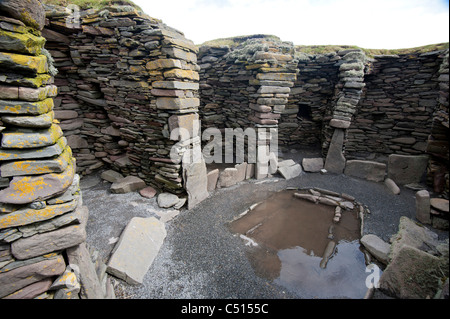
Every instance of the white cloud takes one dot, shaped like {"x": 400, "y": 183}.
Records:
{"x": 378, "y": 24}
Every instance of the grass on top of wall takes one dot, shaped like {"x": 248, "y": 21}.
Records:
{"x": 324, "y": 49}
{"x": 91, "y": 4}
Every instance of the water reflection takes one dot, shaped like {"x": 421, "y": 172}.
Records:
{"x": 292, "y": 236}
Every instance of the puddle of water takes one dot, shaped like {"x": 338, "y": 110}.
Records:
{"x": 292, "y": 236}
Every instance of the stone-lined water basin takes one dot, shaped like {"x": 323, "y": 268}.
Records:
{"x": 307, "y": 245}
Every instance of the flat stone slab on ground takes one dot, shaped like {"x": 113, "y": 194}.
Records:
{"x": 369, "y": 170}
{"x": 111, "y": 176}
{"x": 312, "y": 165}
{"x": 137, "y": 248}
{"x": 289, "y": 172}
{"x": 127, "y": 185}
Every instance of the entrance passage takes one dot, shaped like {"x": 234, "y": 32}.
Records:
{"x": 299, "y": 245}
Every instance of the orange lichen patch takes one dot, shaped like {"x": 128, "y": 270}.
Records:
{"x": 22, "y": 107}
{"x": 49, "y": 151}
{"x": 36, "y": 64}
{"x": 38, "y": 121}
{"x": 28, "y": 216}
{"x": 26, "y": 189}
{"x": 37, "y": 167}
{"x": 20, "y": 139}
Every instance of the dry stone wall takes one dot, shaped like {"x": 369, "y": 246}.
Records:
{"x": 126, "y": 81}
{"x": 43, "y": 253}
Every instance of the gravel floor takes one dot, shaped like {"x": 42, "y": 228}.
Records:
{"x": 200, "y": 257}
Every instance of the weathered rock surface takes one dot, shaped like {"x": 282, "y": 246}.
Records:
{"x": 377, "y": 247}
{"x": 407, "y": 169}
{"x": 312, "y": 165}
{"x": 45, "y": 243}
{"x": 412, "y": 274}
{"x": 138, "y": 246}
{"x": 335, "y": 161}
{"x": 29, "y": 12}
{"x": 127, "y": 185}
{"x": 369, "y": 170}
{"x": 18, "y": 278}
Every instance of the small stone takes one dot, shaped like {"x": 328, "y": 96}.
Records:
{"x": 148, "y": 192}
{"x": 423, "y": 206}
{"x": 392, "y": 186}
{"x": 167, "y": 200}
{"x": 213, "y": 177}
{"x": 440, "y": 204}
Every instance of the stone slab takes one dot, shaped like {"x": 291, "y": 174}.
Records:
{"x": 412, "y": 274}
{"x": 377, "y": 247}
{"x": 136, "y": 249}
{"x": 41, "y": 244}
{"x": 20, "y": 277}
{"x": 369, "y": 170}
{"x": 25, "y": 107}
{"x": 312, "y": 165}
{"x": 30, "y": 12}
{"x": 38, "y": 122}
{"x": 26, "y": 189}
{"x": 127, "y": 185}
{"x": 35, "y": 153}
{"x": 37, "y": 167}
{"x": 289, "y": 172}
{"x": 407, "y": 169}
{"x": 195, "y": 182}
{"x": 335, "y": 161}
{"x": 19, "y": 138}
{"x": 90, "y": 286}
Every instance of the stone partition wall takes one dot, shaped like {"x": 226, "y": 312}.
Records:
{"x": 310, "y": 100}
{"x": 126, "y": 80}
{"x": 395, "y": 114}
{"x": 247, "y": 87}
{"x": 43, "y": 253}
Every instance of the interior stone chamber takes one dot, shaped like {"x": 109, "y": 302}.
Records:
{"x": 89, "y": 90}
{"x": 126, "y": 80}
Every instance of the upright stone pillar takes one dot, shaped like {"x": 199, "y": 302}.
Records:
{"x": 351, "y": 83}
{"x": 275, "y": 75}
{"x": 41, "y": 212}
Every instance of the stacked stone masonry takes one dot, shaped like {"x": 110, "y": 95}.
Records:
{"x": 381, "y": 105}
{"x": 126, "y": 81}
{"x": 43, "y": 253}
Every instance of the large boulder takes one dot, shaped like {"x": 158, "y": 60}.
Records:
{"x": 407, "y": 169}
{"x": 30, "y": 12}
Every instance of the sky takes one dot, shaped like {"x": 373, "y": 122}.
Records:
{"x": 375, "y": 24}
